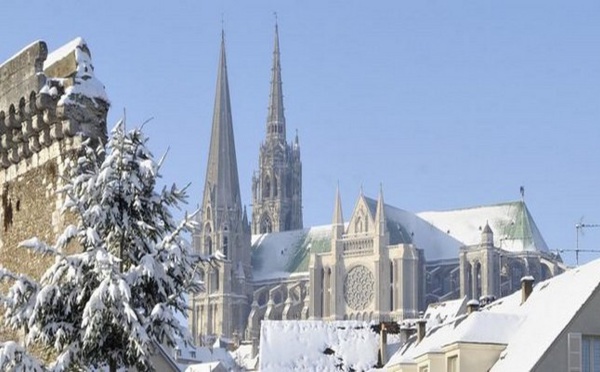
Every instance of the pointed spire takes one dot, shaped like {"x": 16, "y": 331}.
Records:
{"x": 338, "y": 215}
{"x": 380, "y": 222}
{"x": 275, "y": 117}
{"x": 487, "y": 236}
{"x": 222, "y": 184}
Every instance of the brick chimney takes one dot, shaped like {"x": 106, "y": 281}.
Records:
{"x": 526, "y": 287}
{"x": 472, "y": 306}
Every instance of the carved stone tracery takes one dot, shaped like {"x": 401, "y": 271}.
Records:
{"x": 359, "y": 288}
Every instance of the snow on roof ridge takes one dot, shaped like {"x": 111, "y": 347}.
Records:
{"x": 20, "y": 51}
{"x": 63, "y": 51}
{"x": 500, "y": 204}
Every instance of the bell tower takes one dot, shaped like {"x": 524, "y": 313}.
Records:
{"x": 277, "y": 185}
{"x": 222, "y": 228}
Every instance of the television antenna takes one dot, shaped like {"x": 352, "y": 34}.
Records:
{"x": 579, "y": 228}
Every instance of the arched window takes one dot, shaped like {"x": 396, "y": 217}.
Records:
{"x": 477, "y": 284}
{"x": 226, "y": 247}
{"x": 208, "y": 214}
{"x": 275, "y": 186}
{"x": 358, "y": 225}
{"x": 267, "y": 187}
{"x": 207, "y": 239}
{"x": 265, "y": 225}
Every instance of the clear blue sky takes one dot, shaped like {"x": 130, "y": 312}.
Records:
{"x": 449, "y": 104}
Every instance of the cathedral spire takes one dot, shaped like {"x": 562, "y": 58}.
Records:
{"x": 380, "y": 223}
{"x": 222, "y": 185}
{"x": 338, "y": 216}
{"x": 275, "y": 117}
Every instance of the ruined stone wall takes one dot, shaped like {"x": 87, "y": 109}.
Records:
{"x": 41, "y": 128}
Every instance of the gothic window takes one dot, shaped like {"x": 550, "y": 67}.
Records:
{"x": 366, "y": 224}
{"x": 468, "y": 280}
{"x": 267, "y": 187}
{"x": 477, "y": 278}
{"x": 274, "y": 186}
{"x": 208, "y": 214}
{"x": 358, "y": 225}
{"x": 214, "y": 281}
{"x": 265, "y": 225}
{"x": 226, "y": 247}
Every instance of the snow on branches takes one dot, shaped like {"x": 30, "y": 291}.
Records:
{"x": 115, "y": 299}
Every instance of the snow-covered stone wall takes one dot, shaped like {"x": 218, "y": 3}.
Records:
{"x": 48, "y": 105}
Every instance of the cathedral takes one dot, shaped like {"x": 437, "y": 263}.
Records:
{"x": 383, "y": 263}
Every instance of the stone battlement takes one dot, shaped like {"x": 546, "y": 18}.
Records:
{"x": 44, "y": 99}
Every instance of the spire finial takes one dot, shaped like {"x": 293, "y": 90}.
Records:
{"x": 275, "y": 15}
{"x": 222, "y": 26}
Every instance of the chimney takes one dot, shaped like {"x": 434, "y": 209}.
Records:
{"x": 405, "y": 332}
{"x": 254, "y": 351}
{"x": 526, "y": 287}
{"x": 383, "y": 344}
{"x": 421, "y": 323}
{"x": 472, "y": 306}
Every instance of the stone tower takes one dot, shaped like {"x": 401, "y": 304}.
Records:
{"x": 277, "y": 186}
{"x": 222, "y": 227}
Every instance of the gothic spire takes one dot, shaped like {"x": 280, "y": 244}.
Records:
{"x": 380, "y": 222}
{"x": 338, "y": 216}
{"x": 222, "y": 184}
{"x": 275, "y": 117}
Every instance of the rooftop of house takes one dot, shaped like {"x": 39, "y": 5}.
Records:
{"x": 317, "y": 346}
{"x": 527, "y": 329}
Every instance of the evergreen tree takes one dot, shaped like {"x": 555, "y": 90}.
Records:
{"x": 113, "y": 301}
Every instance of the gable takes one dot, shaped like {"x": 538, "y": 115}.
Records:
{"x": 362, "y": 219}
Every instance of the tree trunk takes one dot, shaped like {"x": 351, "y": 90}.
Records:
{"x": 112, "y": 366}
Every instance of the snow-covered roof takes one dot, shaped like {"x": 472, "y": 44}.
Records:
{"x": 441, "y": 312}
{"x": 280, "y": 255}
{"x": 527, "y": 329}
{"x": 565, "y": 295}
{"x": 295, "y": 345}
{"x": 512, "y": 224}
{"x": 439, "y": 234}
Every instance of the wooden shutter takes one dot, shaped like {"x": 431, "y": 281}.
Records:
{"x": 574, "y": 346}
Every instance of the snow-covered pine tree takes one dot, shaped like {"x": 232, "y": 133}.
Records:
{"x": 114, "y": 300}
